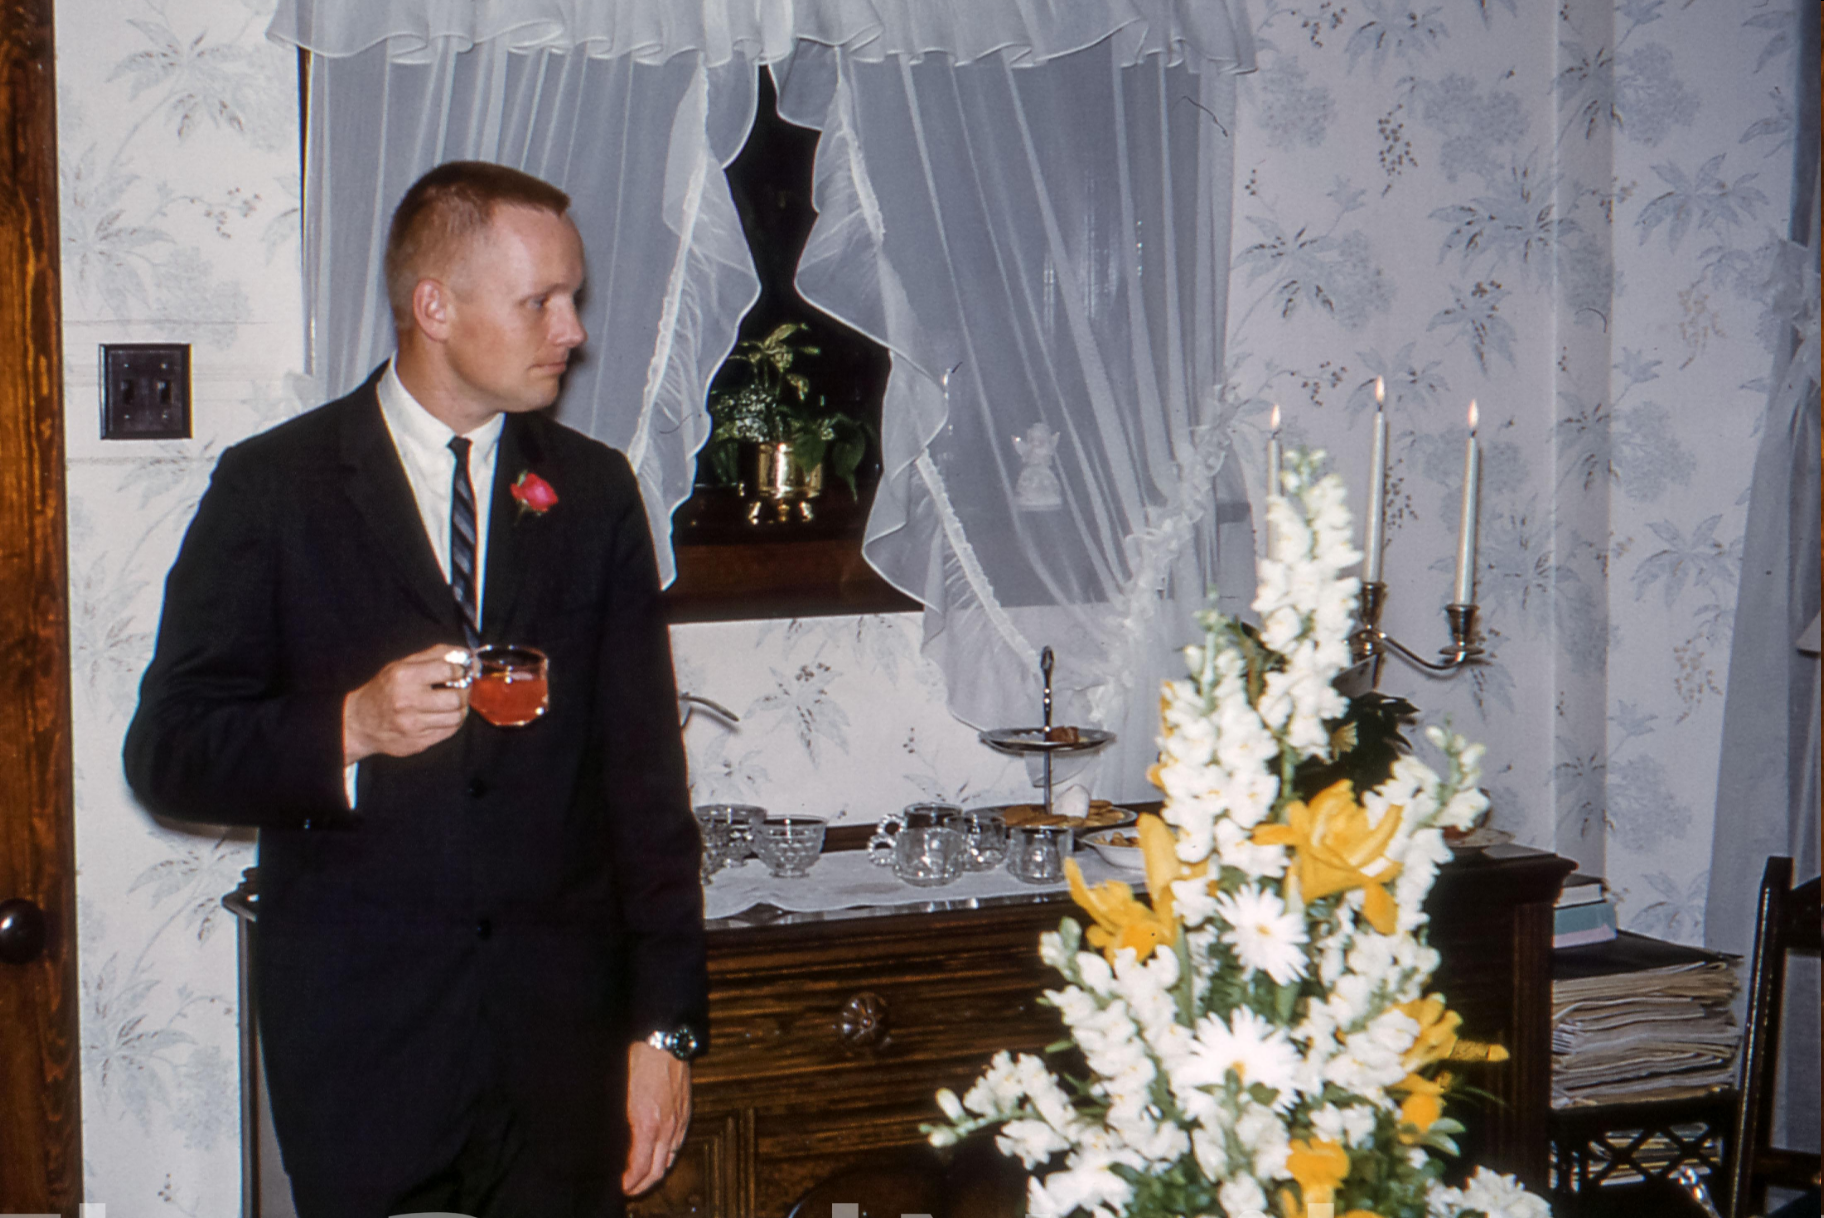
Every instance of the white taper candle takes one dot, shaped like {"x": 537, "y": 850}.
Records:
{"x": 1465, "y": 591}
{"x": 1272, "y": 473}
{"x": 1377, "y": 488}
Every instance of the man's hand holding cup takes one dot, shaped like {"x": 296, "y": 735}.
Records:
{"x": 408, "y": 706}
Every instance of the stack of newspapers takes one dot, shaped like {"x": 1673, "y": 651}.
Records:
{"x": 1641, "y": 1019}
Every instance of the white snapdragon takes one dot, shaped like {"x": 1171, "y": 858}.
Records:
{"x": 1088, "y": 1187}
{"x": 1352, "y": 1125}
{"x": 1193, "y": 901}
{"x": 1242, "y": 1195}
{"x": 1371, "y": 1058}
{"x": 1031, "y": 1142}
{"x": 1262, "y": 1132}
{"x": 1236, "y": 847}
{"x": 1210, "y": 1145}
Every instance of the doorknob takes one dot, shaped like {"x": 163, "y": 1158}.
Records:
{"x": 21, "y": 931}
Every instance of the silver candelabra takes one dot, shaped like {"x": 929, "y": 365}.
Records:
{"x": 1369, "y": 643}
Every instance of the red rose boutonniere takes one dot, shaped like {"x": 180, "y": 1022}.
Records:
{"x": 534, "y": 495}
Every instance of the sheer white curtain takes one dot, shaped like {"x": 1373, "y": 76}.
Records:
{"x": 1768, "y": 782}
{"x": 640, "y": 147}
{"x": 1042, "y": 243}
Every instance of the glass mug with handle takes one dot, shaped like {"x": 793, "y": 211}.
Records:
{"x": 913, "y": 816}
{"x": 1036, "y": 853}
{"x": 508, "y": 686}
{"x": 928, "y": 856}
{"x": 984, "y": 834}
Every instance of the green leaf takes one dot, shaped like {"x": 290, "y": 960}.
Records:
{"x": 1286, "y": 1003}
{"x": 807, "y": 452}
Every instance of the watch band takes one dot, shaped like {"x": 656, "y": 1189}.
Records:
{"x": 681, "y": 1042}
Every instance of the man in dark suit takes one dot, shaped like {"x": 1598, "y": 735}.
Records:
{"x": 473, "y": 939}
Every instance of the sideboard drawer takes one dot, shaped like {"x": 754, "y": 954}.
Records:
{"x": 881, "y": 1013}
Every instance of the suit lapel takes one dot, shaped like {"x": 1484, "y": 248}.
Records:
{"x": 516, "y": 539}
{"x": 376, "y": 483}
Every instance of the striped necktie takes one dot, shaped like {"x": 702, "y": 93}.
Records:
{"x": 462, "y": 543}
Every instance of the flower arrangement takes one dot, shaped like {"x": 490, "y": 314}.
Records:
{"x": 1259, "y": 1035}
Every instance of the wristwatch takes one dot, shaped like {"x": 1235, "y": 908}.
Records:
{"x": 681, "y": 1042}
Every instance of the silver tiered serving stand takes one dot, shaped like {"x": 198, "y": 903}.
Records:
{"x": 1022, "y": 741}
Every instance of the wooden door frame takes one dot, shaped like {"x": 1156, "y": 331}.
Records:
{"x": 40, "y": 1088}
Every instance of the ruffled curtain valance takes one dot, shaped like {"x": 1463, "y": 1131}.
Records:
{"x": 1024, "y": 32}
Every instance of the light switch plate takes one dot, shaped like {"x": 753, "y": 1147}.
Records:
{"x": 145, "y": 391}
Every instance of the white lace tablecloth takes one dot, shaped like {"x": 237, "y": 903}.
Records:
{"x": 846, "y": 880}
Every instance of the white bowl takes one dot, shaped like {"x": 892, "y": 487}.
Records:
{"x": 1109, "y": 844}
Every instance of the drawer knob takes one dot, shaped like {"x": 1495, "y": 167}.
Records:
{"x": 864, "y": 1020}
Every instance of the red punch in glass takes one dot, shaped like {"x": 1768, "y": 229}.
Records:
{"x": 508, "y": 686}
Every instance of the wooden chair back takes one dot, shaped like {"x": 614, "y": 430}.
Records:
{"x": 1787, "y": 921}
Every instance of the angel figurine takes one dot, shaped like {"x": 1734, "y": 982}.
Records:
{"x": 1038, "y": 489}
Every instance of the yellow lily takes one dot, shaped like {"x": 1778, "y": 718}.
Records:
{"x": 1319, "y": 1166}
{"x": 1477, "y": 1051}
{"x": 1337, "y": 849}
{"x": 1437, "y": 1031}
{"x": 1423, "y": 1105}
{"x": 1122, "y": 919}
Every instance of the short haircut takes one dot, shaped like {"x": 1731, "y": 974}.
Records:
{"x": 443, "y": 210}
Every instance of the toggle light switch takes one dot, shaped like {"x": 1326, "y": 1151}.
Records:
{"x": 145, "y": 391}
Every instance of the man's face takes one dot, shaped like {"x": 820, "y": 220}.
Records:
{"x": 513, "y": 321}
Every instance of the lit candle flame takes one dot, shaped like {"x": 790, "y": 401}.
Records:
{"x": 1274, "y": 421}
{"x": 1474, "y": 414}
{"x": 1380, "y": 392}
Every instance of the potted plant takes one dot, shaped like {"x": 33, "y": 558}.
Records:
{"x": 771, "y": 437}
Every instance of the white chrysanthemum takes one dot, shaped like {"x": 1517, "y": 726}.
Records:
{"x": 1266, "y": 937}
{"x": 1500, "y": 1196}
{"x": 1254, "y": 1048}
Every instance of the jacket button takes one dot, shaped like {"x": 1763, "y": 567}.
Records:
{"x": 477, "y": 788}
{"x": 483, "y": 929}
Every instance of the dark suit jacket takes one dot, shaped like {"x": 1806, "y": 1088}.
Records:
{"x": 502, "y": 910}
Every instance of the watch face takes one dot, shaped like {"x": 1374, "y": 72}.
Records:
{"x": 683, "y": 1044}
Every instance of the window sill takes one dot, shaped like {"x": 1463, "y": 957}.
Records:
{"x": 730, "y": 570}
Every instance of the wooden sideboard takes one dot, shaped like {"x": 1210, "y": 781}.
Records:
{"x": 830, "y": 1033}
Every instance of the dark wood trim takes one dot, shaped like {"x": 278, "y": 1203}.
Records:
{"x": 758, "y": 579}
{"x": 40, "y": 1116}
{"x": 731, "y": 570}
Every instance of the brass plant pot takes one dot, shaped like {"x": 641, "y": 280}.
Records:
{"x": 775, "y": 489}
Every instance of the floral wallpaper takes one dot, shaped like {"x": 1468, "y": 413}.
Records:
{"x": 1573, "y": 214}
{"x": 1568, "y": 212}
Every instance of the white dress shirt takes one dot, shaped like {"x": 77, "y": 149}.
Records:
{"x": 423, "y": 444}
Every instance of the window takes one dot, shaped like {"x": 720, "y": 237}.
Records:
{"x": 808, "y": 562}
